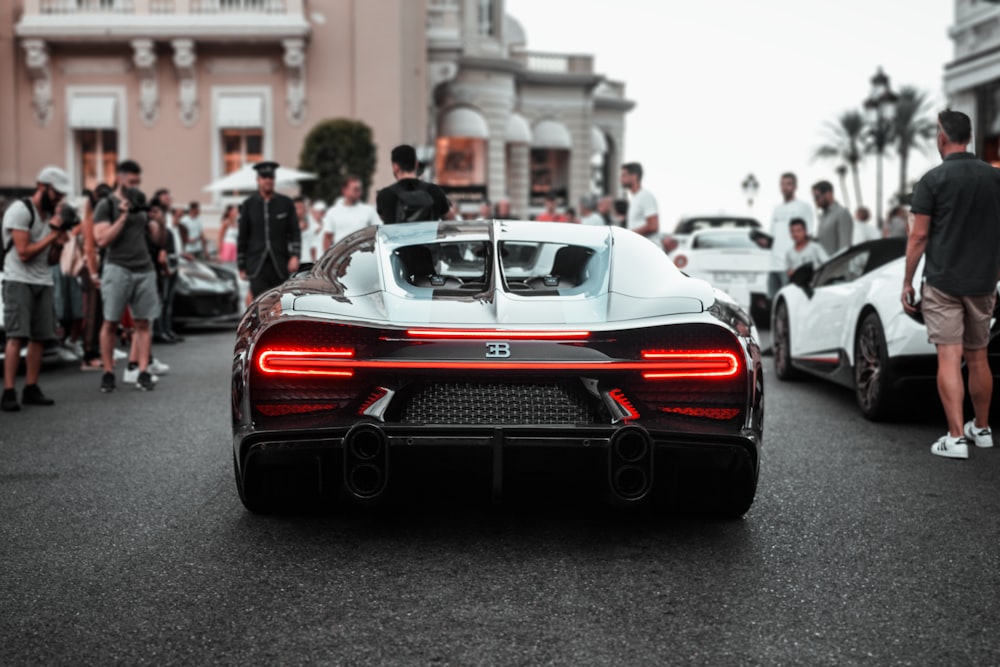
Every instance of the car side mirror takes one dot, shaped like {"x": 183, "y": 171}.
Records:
{"x": 762, "y": 239}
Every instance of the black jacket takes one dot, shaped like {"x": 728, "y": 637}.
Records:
{"x": 267, "y": 231}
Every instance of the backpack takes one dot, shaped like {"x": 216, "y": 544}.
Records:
{"x": 10, "y": 244}
{"x": 414, "y": 205}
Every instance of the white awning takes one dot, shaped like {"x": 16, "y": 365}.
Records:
{"x": 598, "y": 143}
{"x": 551, "y": 134}
{"x": 463, "y": 122}
{"x": 240, "y": 112}
{"x": 93, "y": 112}
{"x": 518, "y": 130}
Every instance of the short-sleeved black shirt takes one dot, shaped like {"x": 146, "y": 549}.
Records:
{"x": 385, "y": 200}
{"x": 962, "y": 198}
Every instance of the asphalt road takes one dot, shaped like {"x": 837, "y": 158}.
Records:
{"x": 123, "y": 541}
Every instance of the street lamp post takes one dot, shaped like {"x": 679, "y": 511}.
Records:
{"x": 880, "y": 108}
{"x": 750, "y": 188}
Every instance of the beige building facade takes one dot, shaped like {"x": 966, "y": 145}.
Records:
{"x": 194, "y": 89}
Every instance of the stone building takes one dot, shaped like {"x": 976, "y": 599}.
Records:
{"x": 194, "y": 89}
{"x": 972, "y": 79}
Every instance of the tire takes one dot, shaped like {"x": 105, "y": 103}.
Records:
{"x": 872, "y": 379}
{"x": 782, "y": 344}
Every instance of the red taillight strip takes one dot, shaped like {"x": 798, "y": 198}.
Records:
{"x": 495, "y": 334}
{"x": 335, "y": 363}
{"x": 691, "y": 364}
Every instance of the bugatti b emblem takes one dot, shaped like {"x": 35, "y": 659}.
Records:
{"x": 497, "y": 350}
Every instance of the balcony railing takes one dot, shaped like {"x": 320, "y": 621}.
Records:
{"x": 555, "y": 63}
{"x": 63, "y": 7}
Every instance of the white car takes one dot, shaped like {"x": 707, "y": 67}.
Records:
{"x": 844, "y": 322}
{"x": 734, "y": 260}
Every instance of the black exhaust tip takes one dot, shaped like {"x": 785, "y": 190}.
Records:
{"x": 366, "y": 462}
{"x": 630, "y": 464}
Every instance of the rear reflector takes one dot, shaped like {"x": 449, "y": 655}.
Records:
{"x": 282, "y": 409}
{"x": 673, "y": 364}
{"x": 706, "y": 413}
{"x": 306, "y": 362}
{"x": 620, "y": 399}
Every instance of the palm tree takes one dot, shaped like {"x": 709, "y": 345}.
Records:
{"x": 845, "y": 137}
{"x": 912, "y": 126}
{"x": 842, "y": 175}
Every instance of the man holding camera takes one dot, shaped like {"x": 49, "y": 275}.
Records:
{"x": 121, "y": 228}
{"x": 34, "y": 231}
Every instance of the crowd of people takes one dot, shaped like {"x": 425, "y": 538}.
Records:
{"x": 115, "y": 269}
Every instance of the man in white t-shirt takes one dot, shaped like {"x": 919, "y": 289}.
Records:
{"x": 588, "y": 212}
{"x": 192, "y": 223}
{"x": 789, "y": 209}
{"x": 643, "y": 215}
{"x": 349, "y": 214}
{"x": 864, "y": 228}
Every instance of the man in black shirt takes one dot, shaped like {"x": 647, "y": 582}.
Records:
{"x": 955, "y": 218}
{"x": 267, "y": 248}
{"x": 409, "y": 199}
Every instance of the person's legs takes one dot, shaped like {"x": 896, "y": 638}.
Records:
{"x": 109, "y": 333}
{"x": 142, "y": 344}
{"x": 951, "y": 387}
{"x": 33, "y": 361}
{"x": 980, "y": 385}
{"x": 12, "y": 359}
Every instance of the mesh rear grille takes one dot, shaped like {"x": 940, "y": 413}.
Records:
{"x": 498, "y": 403}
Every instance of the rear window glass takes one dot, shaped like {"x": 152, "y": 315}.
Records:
{"x": 553, "y": 269}
{"x": 692, "y": 225}
{"x": 461, "y": 266}
{"x": 738, "y": 239}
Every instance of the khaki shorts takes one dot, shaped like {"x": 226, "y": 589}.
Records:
{"x": 958, "y": 320}
{"x": 28, "y": 311}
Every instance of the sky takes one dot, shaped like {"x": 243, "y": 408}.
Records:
{"x": 725, "y": 88}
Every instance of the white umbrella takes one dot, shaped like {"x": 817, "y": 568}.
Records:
{"x": 245, "y": 178}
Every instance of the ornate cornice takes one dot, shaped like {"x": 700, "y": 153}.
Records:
{"x": 187, "y": 89}
{"x": 144, "y": 59}
{"x": 36, "y": 59}
{"x": 295, "y": 73}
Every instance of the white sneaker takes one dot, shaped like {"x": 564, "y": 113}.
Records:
{"x": 157, "y": 367}
{"x": 952, "y": 448}
{"x": 132, "y": 376}
{"x": 983, "y": 437}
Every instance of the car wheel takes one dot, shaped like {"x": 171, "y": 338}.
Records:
{"x": 872, "y": 381}
{"x": 781, "y": 341}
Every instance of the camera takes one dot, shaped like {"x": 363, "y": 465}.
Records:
{"x": 68, "y": 217}
{"x": 136, "y": 200}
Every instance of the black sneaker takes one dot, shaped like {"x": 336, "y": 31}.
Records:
{"x": 145, "y": 381}
{"x": 32, "y": 395}
{"x": 108, "y": 382}
{"x": 9, "y": 402}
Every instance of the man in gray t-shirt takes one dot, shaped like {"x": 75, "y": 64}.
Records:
{"x": 128, "y": 278}
{"x": 30, "y": 232}
{"x": 835, "y": 227}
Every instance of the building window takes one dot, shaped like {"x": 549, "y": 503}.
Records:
{"x": 988, "y": 125}
{"x": 240, "y": 147}
{"x": 486, "y": 16}
{"x": 98, "y": 151}
{"x": 460, "y": 165}
{"x": 549, "y": 174}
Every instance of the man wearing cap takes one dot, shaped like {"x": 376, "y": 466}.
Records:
{"x": 129, "y": 275}
{"x": 31, "y": 234}
{"x": 267, "y": 249}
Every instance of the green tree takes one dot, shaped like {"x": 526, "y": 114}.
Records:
{"x": 913, "y": 126}
{"x": 845, "y": 138}
{"x": 332, "y": 150}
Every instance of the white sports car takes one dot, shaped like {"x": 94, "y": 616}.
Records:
{"x": 844, "y": 322}
{"x": 734, "y": 260}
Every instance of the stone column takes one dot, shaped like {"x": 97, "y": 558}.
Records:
{"x": 519, "y": 183}
{"x": 187, "y": 93}
{"x": 144, "y": 58}
{"x": 36, "y": 53}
